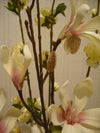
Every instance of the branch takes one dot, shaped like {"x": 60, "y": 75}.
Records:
{"x": 27, "y": 29}
{"x": 32, "y": 5}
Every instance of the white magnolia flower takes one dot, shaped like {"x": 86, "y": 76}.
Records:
{"x": 16, "y": 63}
{"x": 76, "y": 28}
{"x": 8, "y": 121}
{"x": 71, "y": 114}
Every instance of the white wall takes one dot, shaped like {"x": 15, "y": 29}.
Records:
{"x": 68, "y": 67}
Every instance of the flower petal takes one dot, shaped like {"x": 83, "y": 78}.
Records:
{"x": 2, "y": 98}
{"x": 79, "y": 103}
{"x": 84, "y": 88}
{"x": 11, "y": 118}
{"x": 69, "y": 46}
{"x": 80, "y": 15}
{"x": 27, "y": 60}
{"x": 92, "y": 24}
{"x": 5, "y": 58}
{"x": 55, "y": 114}
{"x": 63, "y": 96}
{"x": 71, "y": 128}
{"x": 92, "y": 36}
{"x": 92, "y": 118}
{"x": 88, "y": 130}
{"x": 62, "y": 33}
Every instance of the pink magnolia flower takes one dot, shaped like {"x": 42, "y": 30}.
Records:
{"x": 8, "y": 121}
{"x": 71, "y": 114}
{"x": 76, "y": 28}
{"x": 16, "y": 64}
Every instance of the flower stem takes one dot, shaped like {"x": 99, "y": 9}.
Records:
{"x": 23, "y": 40}
{"x": 88, "y": 71}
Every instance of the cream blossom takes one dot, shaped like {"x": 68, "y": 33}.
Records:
{"x": 8, "y": 121}
{"x": 76, "y": 28}
{"x": 71, "y": 115}
{"x": 93, "y": 53}
{"x": 16, "y": 63}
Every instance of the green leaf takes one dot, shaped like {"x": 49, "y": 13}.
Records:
{"x": 60, "y": 9}
{"x": 55, "y": 128}
{"x": 48, "y": 21}
{"x": 29, "y": 102}
{"x": 17, "y": 106}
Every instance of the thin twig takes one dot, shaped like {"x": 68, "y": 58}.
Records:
{"x": 32, "y": 5}
{"x": 88, "y": 71}
{"x": 27, "y": 29}
{"x": 33, "y": 42}
{"x": 21, "y": 28}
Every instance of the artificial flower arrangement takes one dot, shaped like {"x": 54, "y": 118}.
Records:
{"x": 70, "y": 116}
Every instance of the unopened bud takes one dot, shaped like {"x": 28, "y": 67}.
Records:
{"x": 94, "y": 12}
{"x": 51, "y": 62}
{"x": 56, "y": 86}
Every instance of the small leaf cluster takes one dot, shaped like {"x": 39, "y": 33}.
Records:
{"x": 51, "y": 19}
{"x": 15, "y": 6}
{"x": 32, "y": 105}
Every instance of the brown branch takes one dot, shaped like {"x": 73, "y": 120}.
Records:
{"x": 33, "y": 42}
{"x": 32, "y": 5}
{"x": 27, "y": 29}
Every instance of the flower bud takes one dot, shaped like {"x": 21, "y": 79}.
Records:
{"x": 51, "y": 62}
{"x": 56, "y": 86}
{"x": 94, "y": 12}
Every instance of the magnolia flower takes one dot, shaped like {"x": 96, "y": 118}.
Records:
{"x": 8, "y": 121}
{"x": 76, "y": 28}
{"x": 71, "y": 114}
{"x": 93, "y": 54}
{"x": 16, "y": 64}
